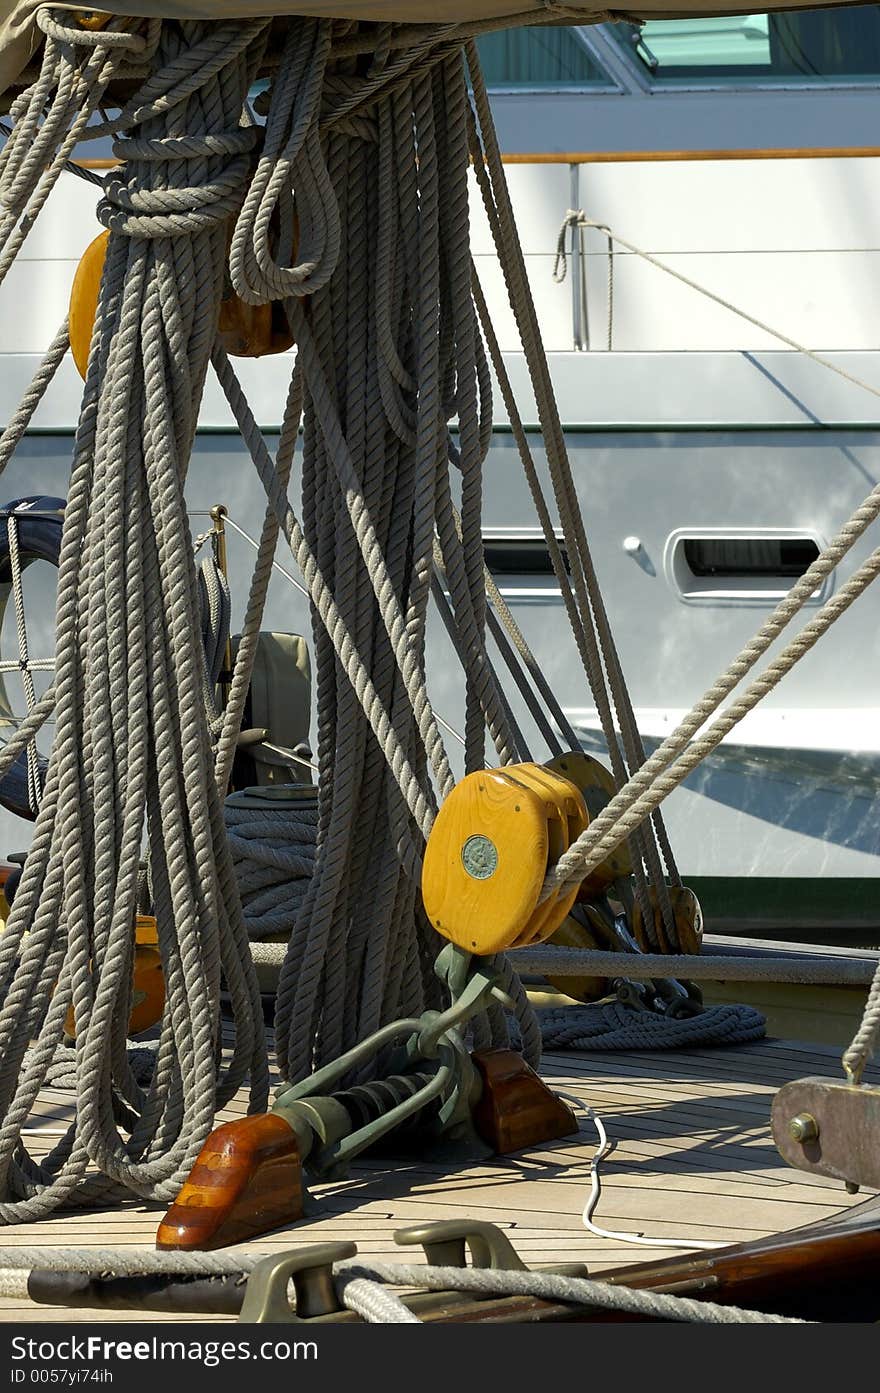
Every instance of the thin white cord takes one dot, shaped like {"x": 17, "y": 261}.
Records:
{"x": 298, "y": 585}
{"x": 596, "y": 1190}
{"x": 230, "y": 522}
{"x": 289, "y": 754}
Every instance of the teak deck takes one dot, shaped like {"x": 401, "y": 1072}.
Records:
{"x": 693, "y": 1159}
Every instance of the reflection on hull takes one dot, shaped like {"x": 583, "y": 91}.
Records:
{"x": 769, "y": 811}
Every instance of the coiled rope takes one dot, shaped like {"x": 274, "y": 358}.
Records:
{"x": 610, "y": 1025}
{"x": 52, "y": 116}
{"x": 273, "y": 847}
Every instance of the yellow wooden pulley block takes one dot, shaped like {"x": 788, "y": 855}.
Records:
{"x": 148, "y": 980}
{"x": 567, "y": 818}
{"x": 246, "y": 331}
{"x": 571, "y": 934}
{"x": 688, "y": 921}
{"x": 84, "y": 300}
{"x": 597, "y": 785}
{"x": 92, "y": 19}
{"x": 488, "y": 854}
{"x": 148, "y": 994}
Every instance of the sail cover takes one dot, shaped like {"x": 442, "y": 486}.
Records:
{"x": 19, "y": 36}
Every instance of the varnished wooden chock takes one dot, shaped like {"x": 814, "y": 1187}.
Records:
{"x": 246, "y": 1181}
{"x": 516, "y": 1109}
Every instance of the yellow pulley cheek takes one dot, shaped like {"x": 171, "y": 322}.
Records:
{"x": 148, "y": 981}
{"x": 92, "y": 19}
{"x": 246, "y": 331}
{"x": 84, "y": 300}
{"x": 485, "y": 862}
{"x": 574, "y": 810}
{"x": 688, "y": 918}
{"x": 597, "y": 786}
{"x": 544, "y": 918}
{"x": 587, "y": 774}
{"x": 148, "y": 994}
{"x": 566, "y": 801}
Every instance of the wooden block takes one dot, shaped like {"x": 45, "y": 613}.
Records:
{"x": 571, "y": 934}
{"x": 597, "y": 786}
{"x": 246, "y": 1181}
{"x": 252, "y": 331}
{"x": 485, "y": 862}
{"x": 84, "y": 300}
{"x": 688, "y": 921}
{"x": 516, "y": 1108}
{"x": 545, "y": 917}
{"x": 566, "y": 819}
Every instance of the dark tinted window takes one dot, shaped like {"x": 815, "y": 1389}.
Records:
{"x": 730, "y": 556}
{"x": 538, "y": 56}
{"x": 519, "y": 556}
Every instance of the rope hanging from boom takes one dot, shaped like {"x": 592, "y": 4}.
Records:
{"x": 349, "y": 208}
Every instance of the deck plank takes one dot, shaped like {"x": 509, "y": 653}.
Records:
{"x": 692, "y": 1159}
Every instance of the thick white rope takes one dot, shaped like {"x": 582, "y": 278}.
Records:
{"x": 131, "y": 746}
{"x": 552, "y": 1287}
{"x": 375, "y": 1307}
{"x": 373, "y": 1302}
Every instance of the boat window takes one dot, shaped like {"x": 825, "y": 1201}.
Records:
{"x": 750, "y": 556}
{"x": 835, "y": 45}
{"x": 519, "y": 556}
{"x": 539, "y": 56}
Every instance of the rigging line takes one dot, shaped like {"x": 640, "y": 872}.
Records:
{"x": 16, "y": 718}
{"x": 70, "y": 166}
{"x": 286, "y": 753}
{"x": 27, "y": 680}
{"x": 576, "y": 218}
{"x": 302, "y": 591}
{"x": 298, "y": 585}
{"x": 450, "y": 730}
{"x": 589, "y": 618}
{"x": 679, "y": 754}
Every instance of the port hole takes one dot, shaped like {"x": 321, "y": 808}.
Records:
{"x": 740, "y": 565}
{"x": 749, "y": 556}
{"x": 520, "y": 556}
